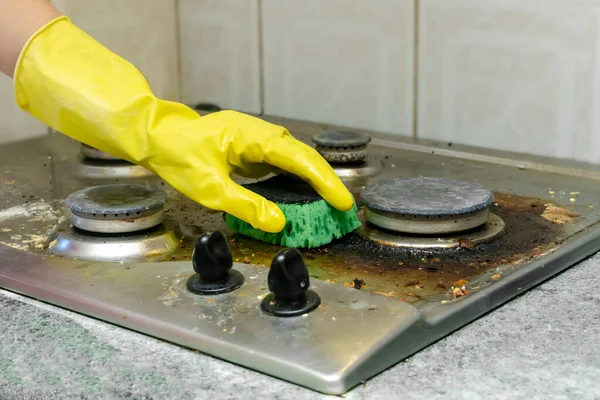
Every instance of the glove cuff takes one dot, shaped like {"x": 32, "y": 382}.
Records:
{"x": 20, "y": 94}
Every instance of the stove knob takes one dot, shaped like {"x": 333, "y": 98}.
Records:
{"x": 289, "y": 285}
{"x": 212, "y": 262}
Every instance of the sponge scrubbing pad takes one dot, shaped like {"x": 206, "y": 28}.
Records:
{"x": 310, "y": 220}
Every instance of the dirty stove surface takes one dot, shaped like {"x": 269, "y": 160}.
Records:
{"x": 385, "y": 291}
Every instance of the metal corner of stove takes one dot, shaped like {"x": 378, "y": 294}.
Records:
{"x": 395, "y": 346}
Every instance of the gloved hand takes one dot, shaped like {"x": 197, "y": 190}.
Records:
{"x": 78, "y": 87}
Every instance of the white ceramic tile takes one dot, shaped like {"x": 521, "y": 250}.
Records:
{"x": 144, "y": 32}
{"x": 347, "y": 62}
{"x": 512, "y": 75}
{"x": 15, "y": 124}
{"x": 219, "y": 49}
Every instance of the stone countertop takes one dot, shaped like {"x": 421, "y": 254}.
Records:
{"x": 543, "y": 345}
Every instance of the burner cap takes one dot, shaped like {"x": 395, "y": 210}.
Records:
{"x": 342, "y": 146}
{"x": 427, "y": 205}
{"x": 284, "y": 189}
{"x": 116, "y": 208}
{"x": 341, "y": 139}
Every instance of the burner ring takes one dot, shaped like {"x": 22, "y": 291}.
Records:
{"x": 352, "y": 171}
{"x": 116, "y": 208}
{"x": 113, "y": 225}
{"x": 426, "y": 225}
{"x": 341, "y": 146}
{"x": 155, "y": 243}
{"x": 90, "y": 168}
{"x": 93, "y": 153}
{"x": 493, "y": 228}
{"x": 426, "y": 205}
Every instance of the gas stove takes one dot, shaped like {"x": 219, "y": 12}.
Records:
{"x": 447, "y": 234}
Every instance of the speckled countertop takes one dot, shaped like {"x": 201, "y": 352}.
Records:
{"x": 542, "y": 345}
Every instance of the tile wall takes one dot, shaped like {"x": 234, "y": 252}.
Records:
{"x": 512, "y": 75}
{"x": 220, "y": 57}
{"x": 517, "y": 75}
{"x": 347, "y": 62}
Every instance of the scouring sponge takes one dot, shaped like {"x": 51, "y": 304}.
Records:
{"x": 310, "y": 220}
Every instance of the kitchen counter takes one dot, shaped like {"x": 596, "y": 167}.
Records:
{"x": 542, "y": 345}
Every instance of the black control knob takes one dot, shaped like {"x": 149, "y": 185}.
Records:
{"x": 212, "y": 262}
{"x": 289, "y": 285}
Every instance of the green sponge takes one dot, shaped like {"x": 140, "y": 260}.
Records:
{"x": 310, "y": 220}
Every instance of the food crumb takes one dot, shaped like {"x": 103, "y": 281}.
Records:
{"x": 444, "y": 301}
{"x": 356, "y": 284}
{"x": 496, "y": 277}
{"x": 246, "y": 260}
{"x": 393, "y": 166}
{"x": 572, "y": 200}
{"x": 465, "y": 244}
{"x": 390, "y": 294}
{"x": 400, "y": 263}
{"x": 574, "y": 193}
{"x": 459, "y": 292}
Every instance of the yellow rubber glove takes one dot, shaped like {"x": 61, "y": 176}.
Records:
{"x": 75, "y": 85}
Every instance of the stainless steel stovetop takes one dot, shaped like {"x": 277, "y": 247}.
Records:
{"x": 383, "y": 296}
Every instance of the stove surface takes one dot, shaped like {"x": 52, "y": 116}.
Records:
{"x": 383, "y": 295}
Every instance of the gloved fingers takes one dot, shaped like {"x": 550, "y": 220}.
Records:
{"x": 297, "y": 158}
{"x": 251, "y": 207}
{"x": 212, "y": 187}
{"x": 255, "y": 170}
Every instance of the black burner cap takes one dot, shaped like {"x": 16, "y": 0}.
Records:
{"x": 284, "y": 189}
{"x": 427, "y": 197}
{"x": 211, "y": 107}
{"x": 116, "y": 199}
{"x": 341, "y": 139}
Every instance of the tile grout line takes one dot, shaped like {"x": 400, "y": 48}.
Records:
{"x": 415, "y": 124}
{"x": 179, "y": 52}
{"x": 261, "y": 63}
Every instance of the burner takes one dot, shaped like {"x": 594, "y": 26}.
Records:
{"x": 95, "y": 154}
{"x": 427, "y": 206}
{"x": 346, "y": 151}
{"x": 97, "y": 164}
{"x": 116, "y": 208}
{"x": 155, "y": 243}
{"x": 342, "y": 146}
